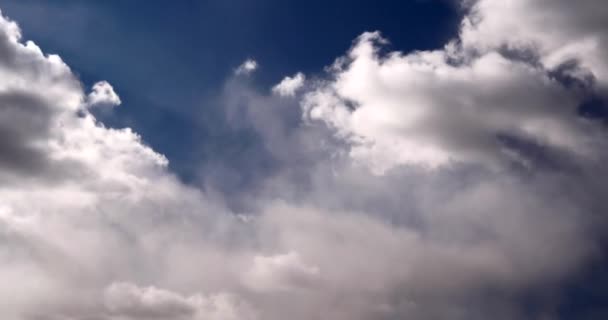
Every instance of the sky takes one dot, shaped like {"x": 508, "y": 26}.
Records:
{"x": 241, "y": 160}
{"x": 194, "y": 46}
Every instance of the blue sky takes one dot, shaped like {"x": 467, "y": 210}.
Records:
{"x": 343, "y": 160}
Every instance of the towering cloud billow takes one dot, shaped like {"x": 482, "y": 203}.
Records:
{"x": 464, "y": 103}
{"x": 459, "y": 183}
{"x": 289, "y": 85}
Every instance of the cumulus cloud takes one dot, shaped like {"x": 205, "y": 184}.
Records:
{"x": 289, "y": 85}
{"x": 102, "y": 95}
{"x": 422, "y": 109}
{"x": 350, "y": 223}
{"x": 558, "y": 32}
{"x": 128, "y": 301}
{"x": 503, "y": 77}
{"x": 76, "y": 196}
{"x": 247, "y": 67}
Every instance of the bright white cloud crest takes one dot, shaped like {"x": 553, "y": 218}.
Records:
{"x": 421, "y": 109}
{"x": 93, "y": 225}
{"x": 103, "y": 95}
{"x": 288, "y": 86}
{"x": 247, "y": 67}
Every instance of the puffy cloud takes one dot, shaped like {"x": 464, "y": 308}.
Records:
{"x": 247, "y": 67}
{"x": 557, "y": 32}
{"x": 128, "y": 301}
{"x": 103, "y": 95}
{"x": 425, "y": 109}
{"x": 80, "y": 203}
{"x": 289, "y": 85}
{"x": 512, "y": 182}
{"x": 88, "y": 212}
{"x": 35, "y": 90}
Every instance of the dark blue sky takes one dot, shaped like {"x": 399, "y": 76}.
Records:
{"x": 169, "y": 59}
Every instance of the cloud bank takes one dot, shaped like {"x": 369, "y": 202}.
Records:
{"x": 458, "y": 183}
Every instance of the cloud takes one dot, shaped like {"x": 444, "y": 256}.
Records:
{"x": 421, "y": 109}
{"x": 35, "y": 90}
{"x": 103, "y": 95}
{"x": 64, "y": 173}
{"x": 247, "y": 67}
{"x": 341, "y": 217}
{"x": 557, "y": 31}
{"x": 128, "y": 301}
{"x": 280, "y": 272}
{"x": 289, "y": 85}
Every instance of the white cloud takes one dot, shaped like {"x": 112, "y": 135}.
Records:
{"x": 103, "y": 95}
{"x": 128, "y": 301}
{"x": 280, "y": 272}
{"x": 558, "y": 31}
{"x": 64, "y": 173}
{"x": 247, "y": 67}
{"x": 421, "y": 109}
{"x": 289, "y": 85}
{"x": 82, "y": 205}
